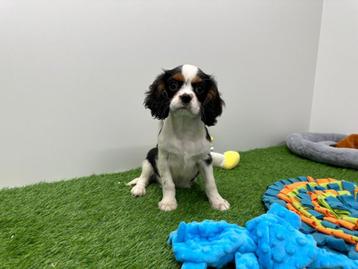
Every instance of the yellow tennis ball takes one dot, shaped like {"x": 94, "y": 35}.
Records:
{"x": 231, "y": 159}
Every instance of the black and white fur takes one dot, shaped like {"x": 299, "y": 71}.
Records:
{"x": 186, "y": 100}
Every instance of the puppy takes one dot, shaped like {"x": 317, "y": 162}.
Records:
{"x": 186, "y": 100}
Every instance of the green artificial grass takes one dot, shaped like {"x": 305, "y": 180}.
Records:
{"x": 93, "y": 222}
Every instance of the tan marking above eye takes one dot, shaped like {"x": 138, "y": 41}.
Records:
{"x": 196, "y": 79}
{"x": 195, "y": 84}
{"x": 178, "y": 77}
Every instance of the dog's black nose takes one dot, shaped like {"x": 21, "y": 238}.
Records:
{"x": 185, "y": 98}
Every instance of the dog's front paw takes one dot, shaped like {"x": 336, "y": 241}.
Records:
{"x": 138, "y": 190}
{"x": 133, "y": 182}
{"x": 167, "y": 205}
{"x": 220, "y": 203}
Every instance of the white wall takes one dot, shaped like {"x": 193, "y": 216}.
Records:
{"x": 334, "y": 107}
{"x": 73, "y": 75}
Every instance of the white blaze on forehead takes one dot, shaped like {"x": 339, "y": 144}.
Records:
{"x": 189, "y": 71}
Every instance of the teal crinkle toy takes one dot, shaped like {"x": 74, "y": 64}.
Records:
{"x": 270, "y": 241}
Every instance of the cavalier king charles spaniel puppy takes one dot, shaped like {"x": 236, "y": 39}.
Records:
{"x": 186, "y": 100}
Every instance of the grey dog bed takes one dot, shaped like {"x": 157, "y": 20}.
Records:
{"x": 320, "y": 148}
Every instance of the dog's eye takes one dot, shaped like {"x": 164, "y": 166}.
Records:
{"x": 173, "y": 85}
{"x": 199, "y": 89}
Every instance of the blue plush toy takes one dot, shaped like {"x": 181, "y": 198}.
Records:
{"x": 270, "y": 241}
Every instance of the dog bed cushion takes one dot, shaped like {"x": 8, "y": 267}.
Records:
{"x": 320, "y": 147}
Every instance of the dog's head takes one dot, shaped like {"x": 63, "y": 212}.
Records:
{"x": 187, "y": 91}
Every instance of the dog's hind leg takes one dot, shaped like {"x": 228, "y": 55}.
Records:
{"x": 218, "y": 159}
{"x": 140, "y": 183}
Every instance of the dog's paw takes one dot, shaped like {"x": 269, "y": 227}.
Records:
{"x": 167, "y": 205}
{"x": 133, "y": 182}
{"x": 220, "y": 203}
{"x": 138, "y": 190}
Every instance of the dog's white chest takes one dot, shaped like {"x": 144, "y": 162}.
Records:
{"x": 183, "y": 168}
{"x": 185, "y": 144}
{"x": 183, "y": 158}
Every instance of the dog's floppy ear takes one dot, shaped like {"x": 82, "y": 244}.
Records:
{"x": 212, "y": 106}
{"x": 157, "y": 99}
